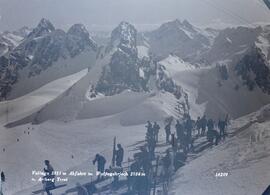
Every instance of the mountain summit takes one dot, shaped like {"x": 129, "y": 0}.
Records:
{"x": 44, "y": 27}
{"x": 122, "y": 72}
{"x": 46, "y": 53}
{"x": 180, "y": 38}
{"x": 124, "y": 36}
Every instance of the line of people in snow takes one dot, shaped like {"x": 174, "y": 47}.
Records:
{"x": 143, "y": 160}
{"x": 172, "y": 159}
{"x": 188, "y": 127}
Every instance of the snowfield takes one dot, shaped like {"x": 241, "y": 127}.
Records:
{"x": 60, "y": 141}
{"x": 24, "y": 106}
{"x": 175, "y": 64}
{"x": 143, "y": 51}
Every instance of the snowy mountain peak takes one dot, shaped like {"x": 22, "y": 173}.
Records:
{"x": 46, "y": 24}
{"x": 44, "y": 27}
{"x": 78, "y": 30}
{"x": 43, "y": 50}
{"x": 124, "y": 35}
{"x": 186, "y": 24}
{"x": 175, "y": 22}
{"x": 178, "y": 25}
{"x": 78, "y": 33}
{"x": 180, "y": 38}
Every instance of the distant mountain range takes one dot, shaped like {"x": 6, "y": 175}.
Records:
{"x": 131, "y": 60}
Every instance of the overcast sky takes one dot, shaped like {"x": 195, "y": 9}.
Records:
{"x": 104, "y": 14}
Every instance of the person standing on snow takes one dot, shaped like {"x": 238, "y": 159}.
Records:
{"x": 222, "y": 126}
{"x": 188, "y": 128}
{"x": 101, "y": 161}
{"x": 203, "y": 125}
{"x": 119, "y": 155}
{"x": 3, "y": 179}
{"x": 156, "y": 128}
{"x": 179, "y": 130}
{"x": 168, "y": 132}
{"x": 198, "y": 125}
{"x": 49, "y": 178}
{"x": 149, "y": 127}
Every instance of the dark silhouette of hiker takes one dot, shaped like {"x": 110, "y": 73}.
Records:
{"x": 210, "y": 125}
{"x": 168, "y": 132}
{"x": 151, "y": 139}
{"x": 150, "y": 131}
{"x": 198, "y": 125}
{"x": 174, "y": 143}
{"x": 156, "y": 128}
{"x": 188, "y": 128}
{"x": 101, "y": 161}
{"x": 3, "y": 177}
{"x": 149, "y": 127}
{"x": 49, "y": 178}
{"x": 179, "y": 130}
{"x": 203, "y": 125}
{"x": 3, "y": 180}
{"x": 119, "y": 155}
{"x": 222, "y": 126}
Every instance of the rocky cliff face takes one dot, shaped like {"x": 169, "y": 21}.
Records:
{"x": 231, "y": 44}
{"x": 126, "y": 71}
{"x": 8, "y": 41}
{"x": 246, "y": 51}
{"x": 41, "y": 49}
{"x": 122, "y": 72}
{"x": 254, "y": 70}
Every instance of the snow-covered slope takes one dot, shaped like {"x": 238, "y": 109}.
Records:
{"x": 212, "y": 93}
{"x": 58, "y": 142}
{"x": 174, "y": 64}
{"x": 17, "y": 109}
{"x": 245, "y": 157}
{"x": 206, "y": 88}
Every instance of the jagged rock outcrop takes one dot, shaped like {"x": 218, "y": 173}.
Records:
{"x": 8, "y": 41}
{"x": 41, "y": 49}
{"x": 122, "y": 72}
{"x": 126, "y": 71}
{"x": 254, "y": 70}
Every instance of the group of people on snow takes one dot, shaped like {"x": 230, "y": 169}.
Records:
{"x": 186, "y": 131}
